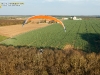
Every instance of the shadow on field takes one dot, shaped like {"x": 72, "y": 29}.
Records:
{"x": 93, "y": 42}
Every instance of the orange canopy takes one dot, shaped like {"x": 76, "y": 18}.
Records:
{"x": 45, "y": 17}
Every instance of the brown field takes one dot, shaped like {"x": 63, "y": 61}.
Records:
{"x": 13, "y": 30}
{"x": 29, "y": 61}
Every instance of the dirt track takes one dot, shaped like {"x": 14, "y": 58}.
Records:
{"x": 13, "y": 30}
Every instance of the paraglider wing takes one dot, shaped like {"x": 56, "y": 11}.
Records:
{"x": 45, "y": 17}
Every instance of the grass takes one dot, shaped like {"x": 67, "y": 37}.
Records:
{"x": 84, "y": 34}
{"x": 2, "y": 38}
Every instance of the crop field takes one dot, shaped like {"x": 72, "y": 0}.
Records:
{"x": 24, "y": 57}
{"x": 10, "y": 22}
{"x": 83, "y": 34}
{"x": 29, "y": 61}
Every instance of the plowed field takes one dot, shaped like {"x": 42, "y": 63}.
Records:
{"x": 13, "y": 30}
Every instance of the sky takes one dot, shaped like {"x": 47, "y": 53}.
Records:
{"x": 52, "y": 7}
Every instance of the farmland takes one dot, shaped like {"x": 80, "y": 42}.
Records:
{"x": 84, "y": 35}
{"x": 28, "y": 61}
{"x": 7, "y": 22}
{"x": 20, "y": 55}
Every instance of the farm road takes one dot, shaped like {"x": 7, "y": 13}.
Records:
{"x": 13, "y": 30}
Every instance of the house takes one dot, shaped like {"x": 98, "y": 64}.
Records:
{"x": 75, "y": 18}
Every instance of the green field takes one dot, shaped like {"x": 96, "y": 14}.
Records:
{"x": 82, "y": 34}
{"x": 2, "y": 38}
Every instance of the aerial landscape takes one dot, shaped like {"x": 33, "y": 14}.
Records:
{"x": 37, "y": 38}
